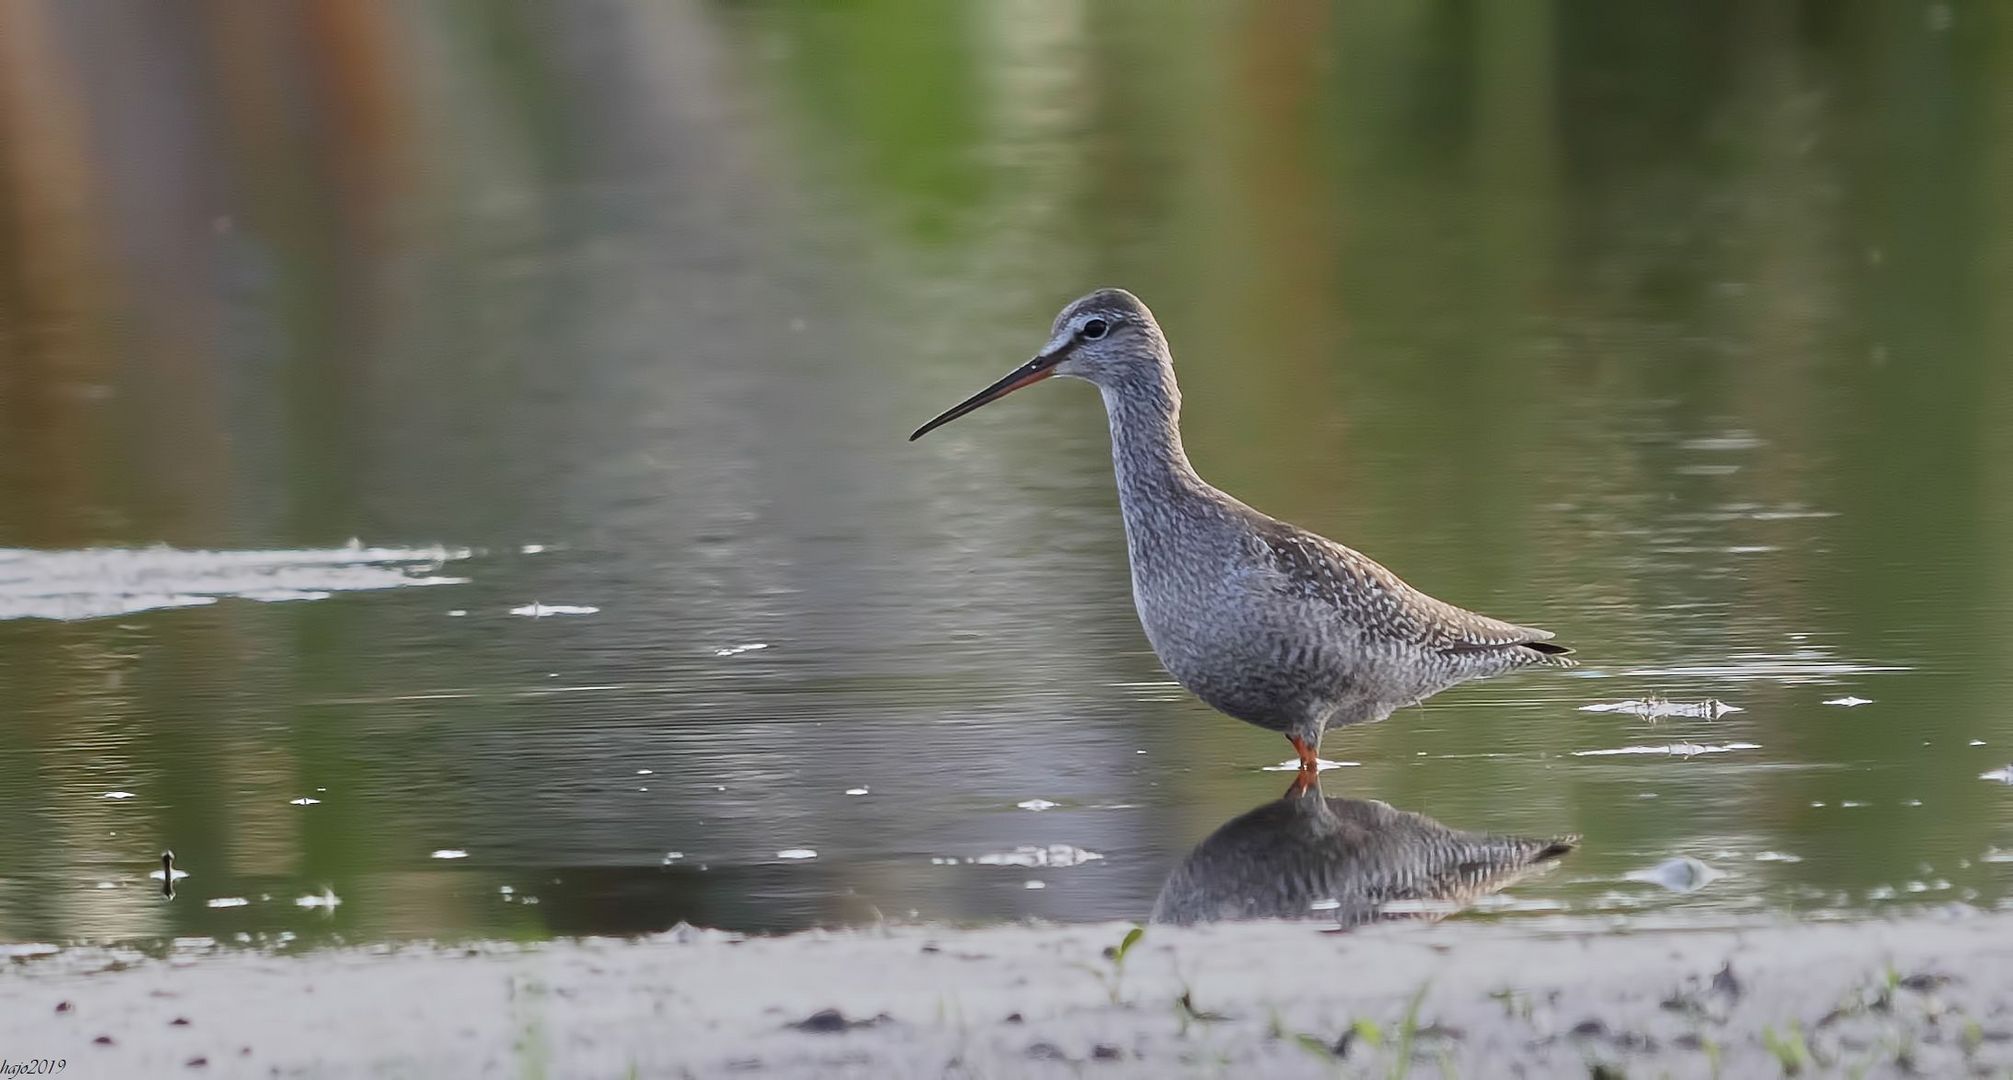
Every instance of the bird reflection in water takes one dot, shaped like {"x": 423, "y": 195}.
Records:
{"x": 168, "y": 875}
{"x": 1304, "y": 856}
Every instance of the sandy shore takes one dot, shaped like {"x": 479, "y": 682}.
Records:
{"x": 1928, "y": 995}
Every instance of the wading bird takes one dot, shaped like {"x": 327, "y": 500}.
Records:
{"x": 1263, "y": 620}
{"x": 1352, "y": 861}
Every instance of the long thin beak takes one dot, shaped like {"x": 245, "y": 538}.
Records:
{"x": 1034, "y": 371}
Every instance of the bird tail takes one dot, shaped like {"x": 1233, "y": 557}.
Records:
{"x": 1557, "y": 848}
{"x": 1546, "y": 654}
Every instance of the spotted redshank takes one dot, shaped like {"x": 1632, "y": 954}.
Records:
{"x": 1263, "y": 620}
{"x": 1303, "y": 856}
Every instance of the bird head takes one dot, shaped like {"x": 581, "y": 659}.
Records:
{"x": 1105, "y": 337}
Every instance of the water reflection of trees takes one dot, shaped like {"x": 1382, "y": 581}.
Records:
{"x": 1426, "y": 264}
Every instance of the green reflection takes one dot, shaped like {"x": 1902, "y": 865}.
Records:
{"x": 1680, "y": 332}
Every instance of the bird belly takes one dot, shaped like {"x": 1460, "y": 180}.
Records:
{"x": 1240, "y": 664}
{"x": 1292, "y": 671}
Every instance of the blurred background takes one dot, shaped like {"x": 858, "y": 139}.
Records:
{"x": 1681, "y": 330}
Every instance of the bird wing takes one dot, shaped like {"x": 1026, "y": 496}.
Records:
{"x": 1314, "y": 567}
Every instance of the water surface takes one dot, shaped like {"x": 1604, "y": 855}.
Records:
{"x": 1684, "y": 340}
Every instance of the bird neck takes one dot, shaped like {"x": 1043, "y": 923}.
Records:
{"x": 1146, "y": 451}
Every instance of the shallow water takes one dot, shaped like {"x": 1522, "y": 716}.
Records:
{"x": 612, "y": 328}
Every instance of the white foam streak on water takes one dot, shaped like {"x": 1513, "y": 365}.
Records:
{"x": 1061, "y": 855}
{"x": 1732, "y": 440}
{"x": 1681, "y": 749}
{"x": 540, "y": 611}
{"x": 1323, "y": 765}
{"x": 91, "y": 583}
{"x": 1656, "y": 708}
{"x": 279, "y": 596}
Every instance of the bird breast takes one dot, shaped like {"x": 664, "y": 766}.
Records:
{"x": 1222, "y": 632}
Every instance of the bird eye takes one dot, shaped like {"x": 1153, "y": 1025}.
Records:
{"x": 1094, "y": 329}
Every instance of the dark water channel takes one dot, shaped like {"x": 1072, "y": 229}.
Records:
{"x": 330, "y": 346}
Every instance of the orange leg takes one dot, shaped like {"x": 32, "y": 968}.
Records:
{"x": 1309, "y": 775}
{"x": 1308, "y": 762}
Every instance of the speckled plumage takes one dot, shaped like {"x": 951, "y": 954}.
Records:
{"x": 1263, "y": 620}
{"x": 1351, "y": 857}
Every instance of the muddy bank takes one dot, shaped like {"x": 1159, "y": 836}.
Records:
{"x": 1931, "y": 995}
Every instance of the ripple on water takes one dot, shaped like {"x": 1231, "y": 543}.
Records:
{"x": 1657, "y": 708}
{"x": 1676, "y": 749}
{"x": 1805, "y": 665}
{"x": 1322, "y": 764}
{"x": 1683, "y": 874}
{"x": 1508, "y": 904}
{"x": 89, "y": 583}
{"x": 540, "y": 611}
{"x": 1731, "y": 440}
{"x": 1060, "y": 855}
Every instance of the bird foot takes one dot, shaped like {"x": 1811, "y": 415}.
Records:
{"x": 1309, "y": 762}
{"x": 1309, "y": 776}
